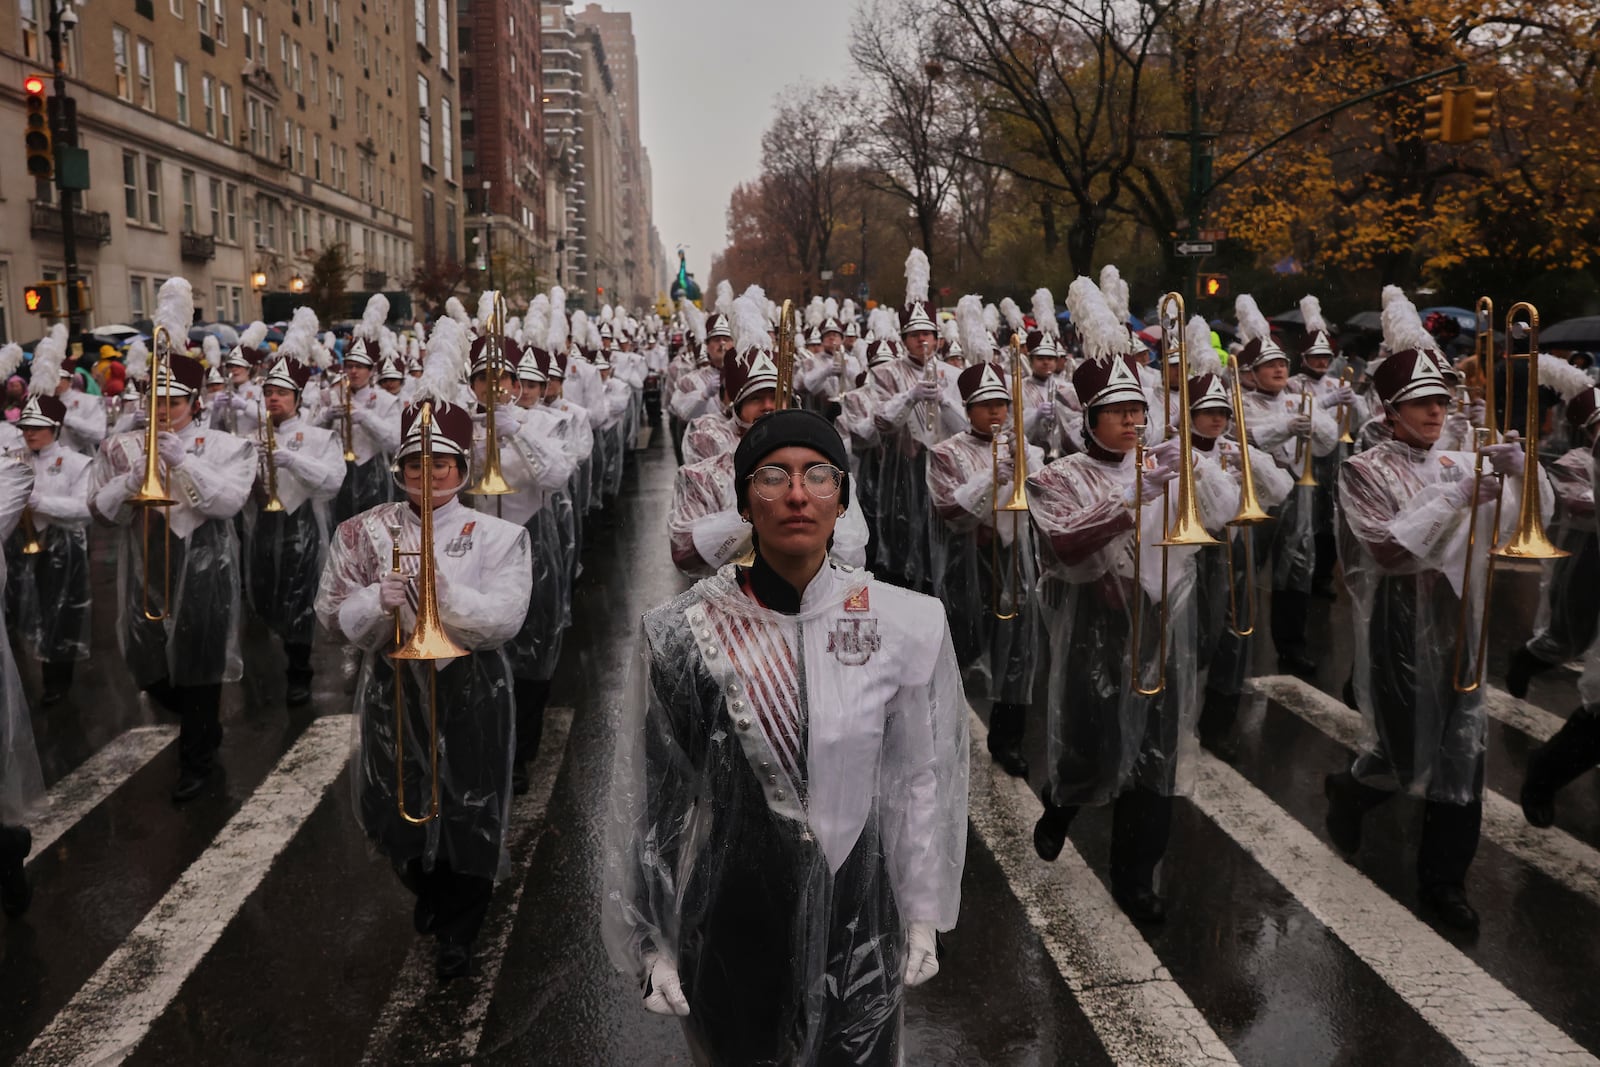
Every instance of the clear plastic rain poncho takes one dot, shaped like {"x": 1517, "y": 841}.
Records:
{"x": 789, "y": 794}
{"x": 374, "y": 437}
{"x": 1292, "y": 544}
{"x": 709, "y": 435}
{"x": 1403, "y": 542}
{"x": 284, "y": 550}
{"x": 1104, "y": 737}
{"x": 907, "y": 430}
{"x": 1568, "y": 609}
{"x": 999, "y": 653}
{"x": 48, "y": 592}
{"x": 707, "y": 531}
{"x": 21, "y": 781}
{"x": 483, "y": 583}
{"x": 572, "y": 430}
{"x": 197, "y": 643}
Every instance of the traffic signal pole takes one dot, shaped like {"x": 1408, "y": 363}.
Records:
{"x": 63, "y": 132}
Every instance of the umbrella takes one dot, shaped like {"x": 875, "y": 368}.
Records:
{"x": 1573, "y": 333}
{"x": 1465, "y": 318}
{"x": 1292, "y": 319}
{"x": 1366, "y": 320}
{"x": 226, "y": 335}
{"x": 116, "y": 332}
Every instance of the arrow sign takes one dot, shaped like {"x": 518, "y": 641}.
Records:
{"x": 1195, "y": 248}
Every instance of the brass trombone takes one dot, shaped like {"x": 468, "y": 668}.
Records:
{"x": 270, "y": 439}
{"x": 1250, "y": 514}
{"x": 1483, "y": 349}
{"x": 153, "y": 492}
{"x": 347, "y": 432}
{"x": 1302, "y": 448}
{"x": 1346, "y": 376}
{"x": 30, "y": 534}
{"x": 1528, "y": 539}
{"x": 1017, "y": 503}
{"x": 783, "y": 397}
{"x": 428, "y": 641}
{"x": 1186, "y": 529}
{"x": 492, "y": 482}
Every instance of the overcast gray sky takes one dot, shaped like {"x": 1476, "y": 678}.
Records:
{"x": 708, "y": 72}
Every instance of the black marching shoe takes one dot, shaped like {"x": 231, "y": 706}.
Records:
{"x": 1524, "y": 665}
{"x": 15, "y": 892}
{"x": 1011, "y": 761}
{"x": 190, "y": 785}
{"x": 1296, "y": 662}
{"x": 423, "y": 917}
{"x": 1347, "y": 806}
{"x": 297, "y": 694}
{"x": 1538, "y": 805}
{"x": 1050, "y": 832}
{"x": 1141, "y": 903}
{"x": 519, "y": 778}
{"x": 453, "y": 961}
{"x": 1449, "y": 905}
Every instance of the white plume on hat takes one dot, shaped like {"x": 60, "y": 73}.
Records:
{"x": 991, "y": 319}
{"x": 175, "y": 310}
{"x": 1044, "y": 313}
{"x": 1098, "y": 329}
{"x": 1203, "y": 358}
{"x": 977, "y": 344}
{"x": 10, "y": 359}
{"x": 696, "y": 319}
{"x": 441, "y": 370}
{"x": 815, "y": 313}
{"x": 48, "y": 357}
{"x": 560, "y": 332}
{"x": 137, "y": 361}
{"x": 580, "y": 329}
{"x": 1013, "y": 314}
{"x": 373, "y": 316}
{"x": 724, "y": 303}
{"x": 486, "y": 309}
{"x": 455, "y": 310}
{"x": 1253, "y": 324}
{"x": 750, "y": 321}
{"x": 212, "y": 349}
{"x": 253, "y": 335}
{"x": 1556, "y": 373}
{"x": 301, "y": 337}
{"x": 847, "y": 310}
{"x": 1402, "y": 324}
{"x": 951, "y": 335}
{"x": 918, "y": 272}
{"x": 830, "y": 309}
{"x": 1311, "y": 315}
{"x": 1115, "y": 289}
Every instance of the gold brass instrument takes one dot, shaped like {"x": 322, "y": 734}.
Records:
{"x": 1302, "y": 448}
{"x": 1135, "y": 631}
{"x": 1346, "y": 411}
{"x": 1483, "y": 349}
{"x": 492, "y": 482}
{"x": 347, "y": 432}
{"x": 428, "y": 640}
{"x": 1250, "y": 514}
{"x": 153, "y": 491}
{"x": 783, "y": 397}
{"x": 1528, "y": 539}
{"x": 30, "y": 534}
{"x": 1017, "y": 503}
{"x": 270, "y": 439}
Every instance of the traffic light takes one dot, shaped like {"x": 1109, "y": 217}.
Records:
{"x": 1476, "y": 122}
{"x": 40, "y": 299}
{"x": 1438, "y": 113}
{"x": 1213, "y": 286}
{"x": 1458, "y": 114}
{"x": 36, "y": 130}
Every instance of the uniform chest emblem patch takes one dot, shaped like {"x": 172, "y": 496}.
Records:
{"x": 297, "y": 442}
{"x": 1446, "y": 461}
{"x": 853, "y": 641}
{"x": 199, "y": 448}
{"x": 858, "y": 602}
{"x": 461, "y": 544}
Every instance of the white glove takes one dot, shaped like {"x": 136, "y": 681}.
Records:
{"x": 327, "y": 415}
{"x": 1300, "y": 425}
{"x": 1342, "y": 395}
{"x": 34, "y": 500}
{"x": 285, "y": 459}
{"x": 1166, "y": 451}
{"x": 140, "y": 420}
{"x": 663, "y": 992}
{"x": 925, "y": 391}
{"x": 133, "y": 481}
{"x": 712, "y": 387}
{"x": 1488, "y": 489}
{"x": 392, "y": 590}
{"x": 1506, "y": 457}
{"x": 1045, "y": 411}
{"x": 1154, "y": 485}
{"x": 170, "y": 445}
{"x": 1476, "y": 412}
{"x": 922, "y": 953}
{"x": 222, "y": 401}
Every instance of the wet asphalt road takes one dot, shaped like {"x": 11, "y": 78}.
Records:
{"x": 310, "y": 967}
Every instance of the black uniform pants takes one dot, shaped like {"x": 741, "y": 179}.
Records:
{"x": 200, "y": 731}
{"x": 458, "y": 902}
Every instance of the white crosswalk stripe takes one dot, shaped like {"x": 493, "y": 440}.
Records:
{"x": 92, "y": 781}
{"x": 1484, "y": 1021}
{"x": 426, "y": 1022}
{"x": 108, "y": 1017}
{"x": 1554, "y": 852}
{"x": 1139, "y": 1012}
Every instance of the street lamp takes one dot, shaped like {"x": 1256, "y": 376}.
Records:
{"x": 297, "y": 284}
{"x": 258, "y": 280}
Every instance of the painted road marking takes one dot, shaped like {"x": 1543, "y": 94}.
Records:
{"x": 1556, "y": 853}
{"x": 1487, "y": 1023}
{"x": 106, "y": 1019}
{"x": 1139, "y": 1012}
{"x": 425, "y": 1021}
{"x": 95, "y": 779}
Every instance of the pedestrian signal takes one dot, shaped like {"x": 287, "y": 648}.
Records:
{"x": 1213, "y": 285}
{"x": 36, "y": 130}
{"x": 40, "y": 299}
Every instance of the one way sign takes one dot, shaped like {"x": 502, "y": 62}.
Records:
{"x": 1196, "y": 248}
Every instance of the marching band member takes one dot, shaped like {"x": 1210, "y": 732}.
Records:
{"x": 918, "y": 410}
{"x": 1405, "y": 507}
{"x": 969, "y": 475}
{"x": 302, "y": 470}
{"x": 482, "y": 577}
{"x": 21, "y": 781}
{"x": 1569, "y": 588}
{"x": 391, "y": 379}
{"x": 236, "y": 408}
{"x": 1339, "y": 400}
{"x": 85, "y": 425}
{"x": 535, "y": 465}
{"x": 785, "y": 927}
{"x": 576, "y": 435}
{"x": 50, "y": 587}
{"x": 697, "y": 391}
{"x": 1110, "y": 743}
{"x": 1281, "y": 430}
{"x": 183, "y": 658}
{"x": 374, "y": 417}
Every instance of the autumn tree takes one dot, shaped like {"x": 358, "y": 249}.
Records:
{"x": 806, "y": 155}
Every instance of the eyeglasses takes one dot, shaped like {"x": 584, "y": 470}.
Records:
{"x": 821, "y": 481}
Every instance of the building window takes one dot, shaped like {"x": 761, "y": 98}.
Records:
{"x": 186, "y": 186}
{"x": 421, "y": 8}
{"x": 447, "y": 142}
{"x": 119, "y": 63}
{"x": 230, "y": 212}
{"x": 259, "y": 120}
{"x": 221, "y": 293}
{"x": 180, "y": 88}
{"x": 225, "y": 106}
{"x": 299, "y": 149}
{"x": 316, "y": 84}
{"x": 208, "y": 103}
{"x": 130, "y": 185}
{"x": 429, "y": 247}
{"x": 294, "y": 68}
{"x": 138, "y": 286}
{"x": 451, "y": 251}
{"x": 249, "y": 40}
{"x": 28, "y": 14}
{"x": 425, "y": 123}
{"x": 236, "y": 302}
{"x": 316, "y": 156}
{"x": 219, "y": 22}
{"x": 338, "y": 96}
{"x": 145, "y": 53}
{"x": 152, "y": 190}
{"x": 283, "y": 58}
{"x": 444, "y": 34}
{"x": 214, "y": 187}
{"x": 338, "y": 32}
